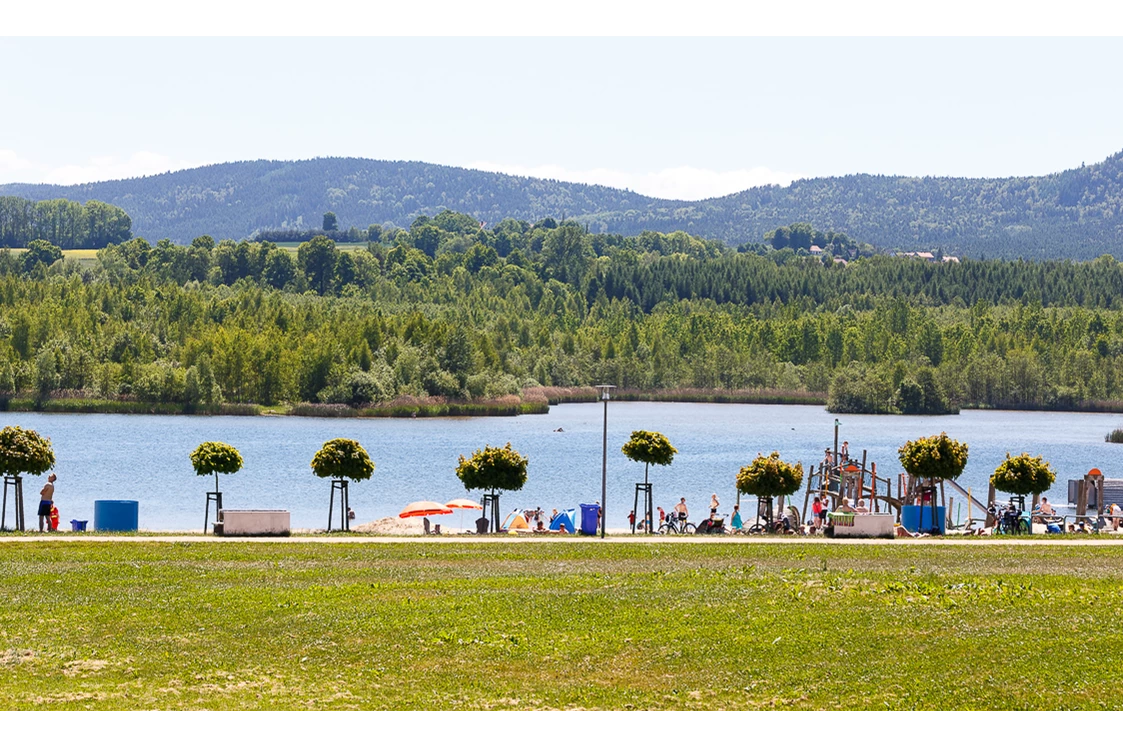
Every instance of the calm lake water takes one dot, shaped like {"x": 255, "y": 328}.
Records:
{"x": 146, "y": 457}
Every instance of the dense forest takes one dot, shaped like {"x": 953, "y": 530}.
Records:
{"x": 1074, "y": 214}
{"x": 446, "y": 309}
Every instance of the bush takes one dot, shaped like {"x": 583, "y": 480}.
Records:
{"x": 770, "y": 476}
{"x": 1115, "y": 437}
{"x": 342, "y": 458}
{"x": 934, "y": 457}
{"x": 356, "y": 387}
{"x": 856, "y": 389}
{"x": 24, "y": 451}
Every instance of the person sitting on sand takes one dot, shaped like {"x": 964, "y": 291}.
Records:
{"x": 540, "y": 527}
{"x": 861, "y": 508}
{"x": 845, "y": 506}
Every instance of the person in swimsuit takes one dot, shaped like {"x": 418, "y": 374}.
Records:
{"x": 46, "y": 503}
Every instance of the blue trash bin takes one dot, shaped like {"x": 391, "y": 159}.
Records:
{"x": 589, "y": 518}
{"x": 919, "y": 519}
{"x": 116, "y": 515}
{"x": 78, "y": 525}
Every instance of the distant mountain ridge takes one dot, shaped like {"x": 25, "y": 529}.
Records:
{"x": 1076, "y": 213}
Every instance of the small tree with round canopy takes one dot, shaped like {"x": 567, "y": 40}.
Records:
{"x": 342, "y": 460}
{"x": 493, "y": 469}
{"x": 768, "y": 477}
{"x": 212, "y": 458}
{"x": 934, "y": 458}
{"x": 21, "y": 451}
{"x": 650, "y": 448}
{"x": 1022, "y": 475}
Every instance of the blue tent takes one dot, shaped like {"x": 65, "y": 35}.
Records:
{"x": 564, "y": 519}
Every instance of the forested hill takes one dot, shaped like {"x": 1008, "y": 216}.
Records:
{"x": 1076, "y": 213}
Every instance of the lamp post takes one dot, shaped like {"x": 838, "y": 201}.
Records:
{"x": 605, "y": 390}
{"x": 837, "y": 423}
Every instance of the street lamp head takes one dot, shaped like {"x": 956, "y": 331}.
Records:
{"x": 605, "y": 390}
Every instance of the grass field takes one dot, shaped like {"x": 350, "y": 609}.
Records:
{"x": 564, "y": 624}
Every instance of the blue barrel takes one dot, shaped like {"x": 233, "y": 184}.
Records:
{"x": 116, "y": 515}
{"x": 589, "y": 518}
{"x": 919, "y": 519}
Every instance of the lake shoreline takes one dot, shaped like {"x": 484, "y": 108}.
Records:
{"x": 533, "y": 401}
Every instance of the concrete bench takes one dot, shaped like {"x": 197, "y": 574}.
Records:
{"x": 244, "y": 522}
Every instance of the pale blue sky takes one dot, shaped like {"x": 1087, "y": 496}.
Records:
{"x": 677, "y": 117}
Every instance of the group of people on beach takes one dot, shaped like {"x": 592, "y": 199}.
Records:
{"x": 681, "y": 513}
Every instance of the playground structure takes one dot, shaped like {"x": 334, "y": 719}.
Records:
{"x": 856, "y": 481}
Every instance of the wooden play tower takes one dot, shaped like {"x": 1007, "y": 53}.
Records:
{"x": 854, "y": 481}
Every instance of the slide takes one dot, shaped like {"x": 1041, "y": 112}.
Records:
{"x": 978, "y": 504}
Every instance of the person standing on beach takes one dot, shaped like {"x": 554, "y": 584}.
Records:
{"x": 714, "y": 504}
{"x": 47, "y": 503}
{"x": 681, "y": 510}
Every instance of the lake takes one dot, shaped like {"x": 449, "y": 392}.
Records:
{"x": 146, "y": 457}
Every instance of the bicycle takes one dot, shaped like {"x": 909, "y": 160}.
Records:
{"x": 677, "y": 526}
{"x": 1011, "y": 522}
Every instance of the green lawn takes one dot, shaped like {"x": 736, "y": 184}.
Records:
{"x": 557, "y": 624}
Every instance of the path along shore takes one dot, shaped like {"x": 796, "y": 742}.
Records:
{"x": 188, "y": 537}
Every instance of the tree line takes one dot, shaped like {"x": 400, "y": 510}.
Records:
{"x": 62, "y": 223}
{"x": 447, "y": 308}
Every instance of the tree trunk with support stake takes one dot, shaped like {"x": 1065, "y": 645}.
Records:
{"x": 20, "y": 520}
{"x": 342, "y": 487}
{"x": 492, "y": 500}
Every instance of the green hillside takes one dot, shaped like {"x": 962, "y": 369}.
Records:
{"x": 1076, "y": 213}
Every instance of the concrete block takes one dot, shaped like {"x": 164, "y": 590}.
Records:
{"x": 243, "y": 522}
{"x": 867, "y": 526}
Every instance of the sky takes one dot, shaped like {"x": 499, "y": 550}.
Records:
{"x": 680, "y": 118}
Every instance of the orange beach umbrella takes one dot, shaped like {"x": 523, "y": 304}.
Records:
{"x": 424, "y": 509}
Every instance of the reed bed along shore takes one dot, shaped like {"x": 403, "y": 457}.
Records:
{"x": 532, "y": 400}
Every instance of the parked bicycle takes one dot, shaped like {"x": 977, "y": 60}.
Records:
{"x": 677, "y": 525}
